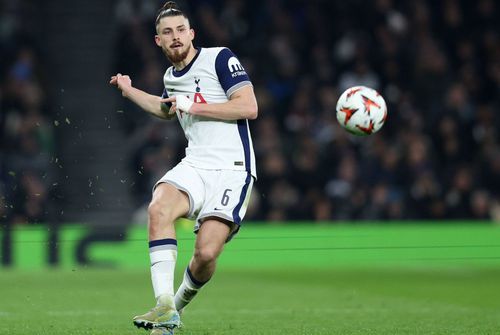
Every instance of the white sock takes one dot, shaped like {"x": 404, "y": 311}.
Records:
{"x": 188, "y": 290}
{"x": 163, "y": 254}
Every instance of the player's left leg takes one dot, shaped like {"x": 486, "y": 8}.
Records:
{"x": 210, "y": 240}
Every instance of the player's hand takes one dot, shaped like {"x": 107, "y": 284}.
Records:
{"x": 182, "y": 102}
{"x": 173, "y": 109}
{"x": 169, "y": 110}
{"x": 122, "y": 82}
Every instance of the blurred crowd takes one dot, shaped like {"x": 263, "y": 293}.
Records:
{"x": 26, "y": 134}
{"x": 437, "y": 64}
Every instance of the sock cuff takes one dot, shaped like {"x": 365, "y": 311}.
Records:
{"x": 193, "y": 281}
{"x": 164, "y": 244}
{"x": 163, "y": 250}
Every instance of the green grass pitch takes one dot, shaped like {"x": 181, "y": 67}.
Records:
{"x": 281, "y": 279}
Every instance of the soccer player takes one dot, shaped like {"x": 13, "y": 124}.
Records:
{"x": 212, "y": 96}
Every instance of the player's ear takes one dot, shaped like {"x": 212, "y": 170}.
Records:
{"x": 191, "y": 32}
{"x": 157, "y": 40}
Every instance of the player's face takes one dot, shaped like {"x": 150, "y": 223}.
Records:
{"x": 175, "y": 37}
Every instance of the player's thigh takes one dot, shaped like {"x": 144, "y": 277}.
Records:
{"x": 186, "y": 180}
{"x": 170, "y": 200}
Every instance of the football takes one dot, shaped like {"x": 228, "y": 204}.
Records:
{"x": 361, "y": 110}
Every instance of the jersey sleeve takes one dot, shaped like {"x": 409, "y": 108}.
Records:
{"x": 164, "y": 95}
{"x": 230, "y": 72}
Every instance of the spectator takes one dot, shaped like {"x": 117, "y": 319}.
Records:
{"x": 436, "y": 64}
{"x": 26, "y": 135}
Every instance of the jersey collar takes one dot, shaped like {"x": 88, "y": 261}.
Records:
{"x": 186, "y": 69}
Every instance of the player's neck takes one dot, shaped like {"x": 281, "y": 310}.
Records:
{"x": 182, "y": 64}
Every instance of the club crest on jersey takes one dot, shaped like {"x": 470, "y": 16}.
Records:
{"x": 235, "y": 67}
{"x": 197, "y": 82}
{"x": 198, "y": 98}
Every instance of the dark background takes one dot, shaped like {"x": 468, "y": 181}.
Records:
{"x": 73, "y": 150}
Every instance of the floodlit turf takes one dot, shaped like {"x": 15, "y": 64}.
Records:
{"x": 377, "y": 301}
{"x": 400, "y": 281}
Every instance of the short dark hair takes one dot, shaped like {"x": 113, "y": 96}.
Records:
{"x": 170, "y": 8}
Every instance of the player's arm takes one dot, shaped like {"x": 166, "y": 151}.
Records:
{"x": 148, "y": 102}
{"x": 241, "y": 105}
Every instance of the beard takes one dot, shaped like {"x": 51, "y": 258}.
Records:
{"x": 176, "y": 56}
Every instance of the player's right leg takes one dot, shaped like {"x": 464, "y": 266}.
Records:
{"x": 168, "y": 205}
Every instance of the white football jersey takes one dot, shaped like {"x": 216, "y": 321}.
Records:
{"x": 213, "y": 144}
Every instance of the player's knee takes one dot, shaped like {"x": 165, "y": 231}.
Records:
{"x": 160, "y": 211}
{"x": 205, "y": 255}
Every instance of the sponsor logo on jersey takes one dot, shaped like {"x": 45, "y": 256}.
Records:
{"x": 235, "y": 67}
